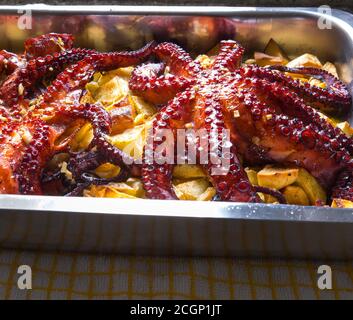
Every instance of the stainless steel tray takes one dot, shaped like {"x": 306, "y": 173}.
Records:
{"x": 180, "y": 227}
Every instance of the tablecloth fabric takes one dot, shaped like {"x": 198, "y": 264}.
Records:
{"x": 82, "y": 276}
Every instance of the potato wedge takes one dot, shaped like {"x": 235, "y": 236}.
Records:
{"x": 142, "y": 107}
{"x": 274, "y": 49}
{"x": 305, "y": 60}
{"x": 123, "y": 114}
{"x": 107, "y": 171}
{"x": 263, "y": 59}
{"x": 83, "y": 138}
{"x": 207, "y": 195}
{"x": 113, "y": 193}
{"x": 341, "y": 203}
{"x": 188, "y": 171}
{"x": 131, "y": 141}
{"x": 132, "y": 188}
{"x": 252, "y": 176}
{"x": 110, "y": 92}
{"x": 267, "y": 198}
{"x": 296, "y": 195}
{"x": 276, "y": 177}
{"x": 331, "y": 68}
{"x": 346, "y": 128}
{"x": 191, "y": 190}
{"x": 311, "y": 187}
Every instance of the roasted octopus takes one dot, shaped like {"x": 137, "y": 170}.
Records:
{"x": 271, "y": 117}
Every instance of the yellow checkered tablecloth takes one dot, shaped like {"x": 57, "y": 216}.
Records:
{"x": 82, "y": 276}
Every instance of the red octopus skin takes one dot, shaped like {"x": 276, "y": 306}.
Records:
{"x": 47, "y": 44}
{"x": 270, "y": 116}
{"x": 148, "y": 81}
{"x": 233, "y": 186}
{"x": 343, "y": 188}
{"x": 22, "y": 162}
{"x": 9, "y": 62}
{"x": 16, "y": 86}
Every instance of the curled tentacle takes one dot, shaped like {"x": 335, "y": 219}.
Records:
{"x": 335, "y": 98}
{"x": 147, "y": 81}
{"x": 177, "y": 59}
{"x": 17, "y": 85}
{"x": 289, "y": 140}
{"x": 78, "y": 75}
{"x": 9, "y": 62}
{"x": 42, "y": 145}
{"x": 87, "y": 180}
{"x": 292, "y": 105}
{"x": 47, "y": 44}
{"x": 272, "y": 192}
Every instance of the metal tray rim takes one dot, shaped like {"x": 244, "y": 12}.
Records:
{"x": 176, "y": 209}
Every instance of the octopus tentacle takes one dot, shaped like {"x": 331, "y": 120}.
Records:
{"x": 17, "y": 85}
{"x": 335, "y": 98}
{"x": 9, "y": 62}
{"x": 78, "y": 75}
{"x": 47, "y": 44}
{"x": 178, "y": 60}
{"x": 229, "y": 56}
{"x": 305, "y": 145}
{"x": 293, "y": 105}
{"x": 34, "y": 158}
{"x": 42, "y": 145}
{"x": 147, "y": 81}
{"x": 156, "y": 177}
{"x": 230, "y": 180}
{"x": 343, "y": 188}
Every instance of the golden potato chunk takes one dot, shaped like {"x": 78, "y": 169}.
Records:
{"x": 331, "y": 68}
{"x": 341, "y": 203}
{"x": 107, "y": 171}
{"x": 105, "y": 192}
{"x": 311, "y": 187}
{"x": 296, "y": 195}
{"x": 305, "y": 60}
{"x": 346, "y": 128}
{"x": 263, "y": 59}
{"x": 207, "y": 195}
{"x": 276, "y": 177}
{"x": 123, "y": 114}
{"x": 188, "y": 171}
{"x": 252, "y": 176}
{"x": 274, "y": 49}
{"x": 191, "y": 190}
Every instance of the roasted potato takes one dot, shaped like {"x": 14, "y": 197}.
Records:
{"x": 188, "y": 171}
{"x": 341, "y": 203}
{"x": 311, "y": 187}
{"x": 346, "y": 128}
{"x": 207, "y": 195}
{"x": 276, "y": 177}
{"x": 305, "y": 60}
{"x": 131, "y": 141}
{"x": 252, "y": 176}
{"x": 123, "y": 114}
{"x": 107, "y": 171}
{"x": 296, "y": 195}
{"x": 191, "y": 190}
{"x": 274, "y": 49}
